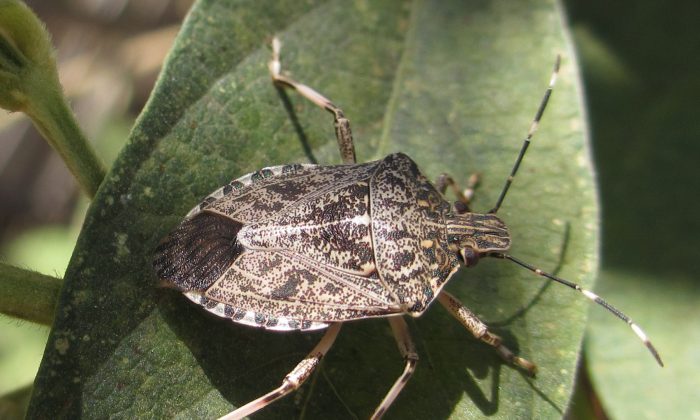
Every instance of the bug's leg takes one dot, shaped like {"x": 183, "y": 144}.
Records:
{"x": 481, "y": 331}
{"x": 408, "y": 351}
{"x": 293, "y": 380}
{"x": 464, "y": 197}
{"x": 342, "y": 124}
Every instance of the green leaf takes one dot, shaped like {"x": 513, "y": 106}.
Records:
{"x": 645, "y": 129}
{"x": 455, "y": 85}
{"x": 626, "y": 379}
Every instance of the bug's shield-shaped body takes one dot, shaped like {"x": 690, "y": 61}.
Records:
{"x": 299, "y": 246}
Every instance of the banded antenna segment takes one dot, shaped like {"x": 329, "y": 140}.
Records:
{"x": 592, "y": 296}
{"x": 531, "y": 132}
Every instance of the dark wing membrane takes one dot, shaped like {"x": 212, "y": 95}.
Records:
{"x": 198, "y": 251}
{"x": 279, "y": 284}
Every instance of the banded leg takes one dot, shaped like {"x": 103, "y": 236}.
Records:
{"x": 342, "y": 124}
{"x": 293, "y": 380}
{"x": 481, "y": 331}
{"x": 408, "y": 351}
{"x": 464, "y": 197}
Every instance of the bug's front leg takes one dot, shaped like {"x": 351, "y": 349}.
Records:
{"x": 464, "y": 197}
{"x": 293, "y": 380}
{"x": 481, "y": 331}
{"x": 342, "y": 124}
{"x": 408, "y": 351}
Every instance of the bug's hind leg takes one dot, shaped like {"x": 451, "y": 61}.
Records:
{"x": 481, "y": 331}
{"x": 294, "y": 379}
{"x": 342, "y": 124}
{"x": 408, "y": 351}
{"x": 464, "y": 197}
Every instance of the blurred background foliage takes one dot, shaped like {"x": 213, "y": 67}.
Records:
{"x": 640, "y": 66}
{"x": 640, "y": 63}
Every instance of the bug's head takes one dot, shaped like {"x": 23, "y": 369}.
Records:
{"x": 473, "y": 235}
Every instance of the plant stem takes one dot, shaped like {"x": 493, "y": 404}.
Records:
{"x": 28, "y": 295}
{"x": 55, "y": 121}
{"x": 29, "y": 83}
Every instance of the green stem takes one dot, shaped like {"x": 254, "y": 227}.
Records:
{"x": 28, "y": 295}
{"x": 55, "y": 121}
{"x": 29, "y": 83}
{"x": 14, "y": 404}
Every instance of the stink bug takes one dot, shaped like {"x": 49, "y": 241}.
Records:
{"x": 306, "y": 247}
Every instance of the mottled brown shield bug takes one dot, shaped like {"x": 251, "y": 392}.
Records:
{"x": 306, "y": 247}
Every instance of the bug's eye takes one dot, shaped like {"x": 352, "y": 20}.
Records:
{"x": 469, "y": 256}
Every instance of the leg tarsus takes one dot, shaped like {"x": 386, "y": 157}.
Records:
{"x": 472, "y": 323}
{"x": 464, "y": 197}
{"x": 343, "y": 134}
{"x": 408, "y": 351}
{"x": 293, "y": 380}
{"x": 342, "y": 125}
{"x": 507, "y": 355}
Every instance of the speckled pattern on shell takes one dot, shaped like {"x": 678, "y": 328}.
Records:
{"x": 317, "y": 244}
{"x": 407, "y": 212}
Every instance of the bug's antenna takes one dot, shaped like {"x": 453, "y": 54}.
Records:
{"x": 531, "y": 132}
{"x": 590, "y": 295}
